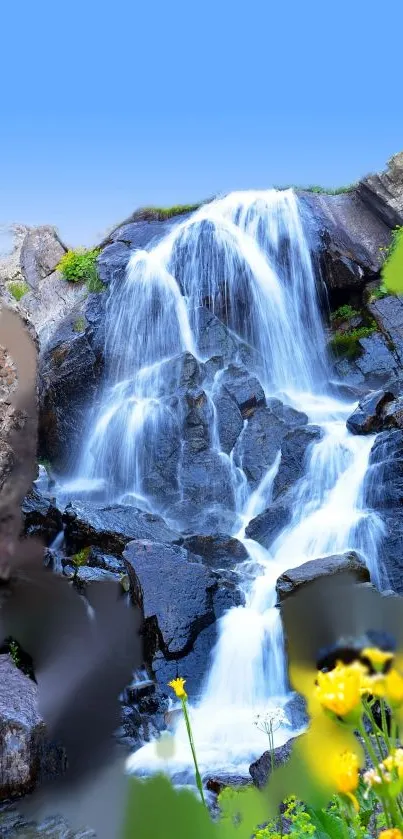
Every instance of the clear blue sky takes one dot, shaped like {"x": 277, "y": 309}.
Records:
{"x": 105, "y": 107}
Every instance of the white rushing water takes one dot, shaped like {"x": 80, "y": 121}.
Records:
{"x": 248, "y": 258}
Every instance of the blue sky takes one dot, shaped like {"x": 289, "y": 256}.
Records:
{"x": 106, "y": 108}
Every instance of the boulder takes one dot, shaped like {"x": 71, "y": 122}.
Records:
{"x": 26, "y": 757}
{"x": 368, "y": 416}
{"x": 245, "y": 390}
{"x": 52, "y": 301}
{"x": 41, "y": 516}
{"x": 388, "y": 313}
{"x": 229, "y": 419}
{"x": 174, "y": 593}
{"x": 205, "y": 479}
{"x": 260, "y": 769}
{"x": 294, "y": 452}
{"x": 215, "y": 339}
{"x": 383, "y": 192}
{"x": 265, "y": 527}
{"x": 69, "y": 379}
{"x": 291, "y": 581}
{"x": 259, "y": 444}
{"x": 41, "y": 251}
{"x": 112, "y": 527}
{"x": 112, "y": 263}
{"x": 349, "y": 237}
{"x": 217, "y": 551}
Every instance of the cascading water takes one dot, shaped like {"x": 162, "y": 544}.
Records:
{"x": 246, "y": 259}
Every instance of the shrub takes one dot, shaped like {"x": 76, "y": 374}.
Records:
{"x": 345, "y": 312}
{"x": 378, "y": 293}
{"x": 18, "y": 288}
{"x": 162, "y": 213}
{"x": 81, "y": 266}
{"x": 347, "y": 344}
{"x": 80, "y": 558}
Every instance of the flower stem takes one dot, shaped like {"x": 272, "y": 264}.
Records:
{"x": 192, "y": 746}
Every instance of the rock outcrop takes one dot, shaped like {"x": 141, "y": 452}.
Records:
{"x": 291, "y": 581}
{"x": 26, "y": 756}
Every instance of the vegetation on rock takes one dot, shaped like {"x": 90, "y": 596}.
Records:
{"x": 163, "y": 213}
{"x": 392, "y": 268}
{"x": 80, "y": 266}
{"x": 347, "y": 344}
{"x": 320, "y": 190}
{"x": 18, "y": 288}
{"x": 345, "y": 312}
{"x": 79, "y": 325}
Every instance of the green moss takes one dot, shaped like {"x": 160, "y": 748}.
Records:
{"x": 18, "y": 288}
{"x": 80, "y": 266}
{"x": 162, "y": 213}
{"x": 345, "y": 312}
{"x": 346, "y": 344}
{"x": 378, "y": 293}
{"x": 320, "y": 190}
{"x": 80, "y": 558}
{"x": 79, "y": 325}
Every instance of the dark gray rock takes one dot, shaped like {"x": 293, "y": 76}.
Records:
{"x": 263, "y": 436}
{"x": 393, "y": 414}
{"x": 41, "y": 516}
{"x": 112, "y": 263}
{"x": 294, "y": 452}
{"x": 174, "y": 593}
{"x": 41, "y": 252}
{"x": 139, "y": 231}
{"x": 244, "y": 389}
{"x": 268, "y": 525}
{"x": 69, "y": 380}
{"x": 111, "y": 528}
{"x": 84, "y": 576}
{"x": 261, "y": 769}
{"x": 205, "y": 479}
{"x": 390, "y": 550}
{"x": 377, "y": 362}
{"x": 26, "y": 756}
{"x": 198, "y": 422}
{"x": 95, "y": 311}
{"x": 229, "y": 419}
{"x": 180, "y": 374}
{"x": 349, "y": 238}
{"x": 291, "y": 581}
{"x": 383, "y": 192}
{"x": 368, "y": 416}
{"x": 215, "y": 339}
{"x": 108, "y": 562}
{"x": 218, "y": 551}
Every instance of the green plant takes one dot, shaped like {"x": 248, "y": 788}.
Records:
{"x": 18, "y": 288}
{"x": 80, "y": 266}
{"x": 320, "y": 190}
{"x": 80, "y": 558}
{"x": 378, "y": 293}
{"x": 392, "y": 268}
{"x": 162, "y": 213}
{"x": 79, "y": 325}
{"x": 177, "y": 686}
{"x": 345, "y": 312}
{"x": 347, "y": 344}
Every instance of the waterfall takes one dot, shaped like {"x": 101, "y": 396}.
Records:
{"x": 244, "y": 258}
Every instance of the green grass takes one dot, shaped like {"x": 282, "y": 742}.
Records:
{"x": 162, "y": 213}
{"x": 345, "y": 312}
{"x": 18, "y": 288}
{"x": 79, "y": 325}
{"x": 346, "y": 344}
{"x": 320, "y": 190}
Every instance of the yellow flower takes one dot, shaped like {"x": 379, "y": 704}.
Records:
{"x": 344, "y": 771}
{"x": 377, "y": 777}
{"x": 377, "y": 658}
{"x": 394, "y": 761}
{"x": 178, "y": 686}
{"x": 394, "y": 688}
{"x": 339, "y": 690}
{"x": 391, "y": 833}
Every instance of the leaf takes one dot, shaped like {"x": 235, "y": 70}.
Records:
{"x": 392, "y": 269}
{"x": 326, "y": 824}
{"x": 155, "y": 810}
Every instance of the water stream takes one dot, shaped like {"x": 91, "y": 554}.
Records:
{"x": 247, "y": 258}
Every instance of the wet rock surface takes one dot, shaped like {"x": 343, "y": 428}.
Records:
{"x": 261, "y": 769}
{"x": 111, "y": 528}
{"x": 26, "y": 756}
{"x": 291, "y": 581}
